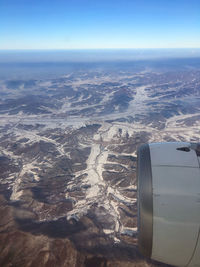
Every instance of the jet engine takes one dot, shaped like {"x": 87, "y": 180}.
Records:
{"x": 169, "y": 202}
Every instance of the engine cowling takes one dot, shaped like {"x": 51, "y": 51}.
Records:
{"x": 169, "y": 202}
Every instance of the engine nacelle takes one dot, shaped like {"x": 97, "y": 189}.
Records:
{"x": 169, "y": 203}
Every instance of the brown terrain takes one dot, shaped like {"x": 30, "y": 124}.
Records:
{"x": 68, "y": 187}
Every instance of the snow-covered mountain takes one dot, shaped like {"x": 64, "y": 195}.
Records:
{"x": 68, "y": 160}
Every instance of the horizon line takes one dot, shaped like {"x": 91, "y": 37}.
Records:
{"x": 76, "y": 49}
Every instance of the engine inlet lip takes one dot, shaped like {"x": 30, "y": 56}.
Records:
{"x": 145, "y": 201}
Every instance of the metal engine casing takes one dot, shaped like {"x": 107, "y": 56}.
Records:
{"x": 169, "y": 202}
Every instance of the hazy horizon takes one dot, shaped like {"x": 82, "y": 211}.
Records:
{"x": 94, "y": 55}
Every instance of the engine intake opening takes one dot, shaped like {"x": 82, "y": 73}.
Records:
{"x": 145, "y": 201}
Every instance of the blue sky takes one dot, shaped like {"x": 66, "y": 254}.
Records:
{"x": 91, "y": 24}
